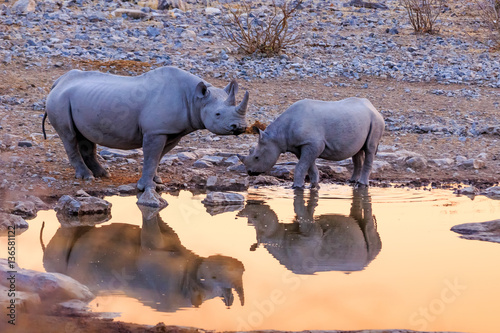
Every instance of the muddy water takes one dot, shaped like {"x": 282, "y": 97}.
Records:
{"x": 338, "y": 259}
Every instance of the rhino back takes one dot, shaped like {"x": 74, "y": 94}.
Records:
{"x": 116, "y": 111}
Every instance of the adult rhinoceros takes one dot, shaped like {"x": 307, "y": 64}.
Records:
{"x": 154, "y": 111}
{"x": 148, "y": 263}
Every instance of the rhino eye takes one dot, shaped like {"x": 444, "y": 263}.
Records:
{"x": 256, "y": 157}
{"x": 217, "y": 114}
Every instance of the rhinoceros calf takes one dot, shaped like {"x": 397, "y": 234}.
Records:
{"x": 331, "y": 130}
{"x": 154, "y": 111}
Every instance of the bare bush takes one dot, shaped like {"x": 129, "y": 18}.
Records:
{"x": 251, "y": 32}
{"x": 423, "y": 13}
{"x": 490, "y": 12}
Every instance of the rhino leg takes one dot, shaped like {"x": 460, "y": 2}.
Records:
{"x": 75, "y": 158}
{"x": 89, "y": 155}
{"x": 308, "y": 155}
{"x": 367, "y": 167}
{"x": 171, "y": 143}
{"x": 357, "y": 160}
{"x": 153, "y": 146}
{"x": 314, "y": 176}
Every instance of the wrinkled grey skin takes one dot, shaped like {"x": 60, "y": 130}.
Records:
{"x": 330, "y": 130}
{"x": 329, "y": 242}
{"x": 148, "y": 263}
{"x": 154, "y": 111}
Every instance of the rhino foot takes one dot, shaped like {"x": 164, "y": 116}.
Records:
{"x": 150, "y": 198}
{"x": 85, "y": 175}
{"x": 360, "y": 185}
{"x": 298, "y": 187}
{"x": 315, "y": 186}
{"x": 101, "y": 173}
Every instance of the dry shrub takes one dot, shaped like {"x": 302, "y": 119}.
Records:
{"x": 423, "y": 14}
{"x": 114, "y": 66}
{"x": 268, "y": 35}
{"x": 255, "y": 127}
{"x": 490, "y": 12}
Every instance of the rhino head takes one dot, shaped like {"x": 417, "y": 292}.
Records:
{"x": 221, "y": 274}
{"x": 263, "y": 156}
{"x": 218, "y": 110}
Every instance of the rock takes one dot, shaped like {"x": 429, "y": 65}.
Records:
{"x": 416, "y": 162}
{"x": 478, "y": 164}
{"x": 469, "y": 190}
{"x": 493, "y": 192}
{"x": 25, "y": 301}
{"x": 211, "y": 181}
{"x": 223, "y": 199}
{"x": 127, "y": 189}
{"x": 237, "y": 168}
{"x": 188, "y": 34}
{"x": 171, "y": 4}
{"x": 150, "y": 198}
{"x": 212, "y": 11}
{"x": 49, "y": 286}
{"x": 483, "y": 231}
{"x": 110, "y": 152}
{"x": 202, "y": 164}
{"x": 132, "y": 13}
{"x": 11, "y": 220}
{"x": 82, "y": 193}
{"x": 24, "y": 6}
{"x": 265, "y": 180}
{"x": 379, "y": 166}
{"x": 232, "y": 160}
{"x": 282, "y": 171}
{"x": 441, "y": 162}
{"x": 213, "y": 159}
{"x": 25, "y": 209}
{"x": 25, "y": 144}
{"x": 83, "y": 210}
{"x": 186, "y": 156}
{"x": 152, "y": 31}
{"x": 459, "y": 159}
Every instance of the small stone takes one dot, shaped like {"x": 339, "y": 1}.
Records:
{"x": 211, "y": 181}
{"x": 24, "y": 6}
{"x": 132, "y": 13}
{"x": 152, "y": 31}
{"x": 25, "y": 144}
{"x": 25, "y": 208}
{"x": 232, "y": 160}
{"x": 237, "y": 168}
{"x": 213, "y": 159}
{"x": 186, "y": 156}
{"x": 493, "y": 192}
{"x": 202, "y": 164}
{"x": 127, "y": 189}
{"x": 416, "y": 162}
{"x": 265, "y": 180}
{"x": 188, "y": 34}
{"x": 478, "y": 164}
{"x": 212, "y": 11}
{"x": 483, "y": 231}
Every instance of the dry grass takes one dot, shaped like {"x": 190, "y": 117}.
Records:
{"x": 423, "y": 14}
{"x": 489, "y": 11}
{"x": 255, "y": 127}
{"x": 265, "y": 33}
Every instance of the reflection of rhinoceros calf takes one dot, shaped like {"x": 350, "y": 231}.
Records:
{"x": 147, "y": 263}
{"x": 311, "y": 244}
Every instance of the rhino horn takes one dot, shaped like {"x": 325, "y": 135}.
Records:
{"x": 241, "y": 157}
{"x": 242, "y": 108}
{"x": 231, "y": 89}
{"x": 241, "y": 293}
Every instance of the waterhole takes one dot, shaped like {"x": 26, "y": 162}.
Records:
{"x": 340, "y": 258}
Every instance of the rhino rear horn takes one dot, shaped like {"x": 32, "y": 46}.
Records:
{"x": 242, "y": 107}
{"x": 231, "y": 89}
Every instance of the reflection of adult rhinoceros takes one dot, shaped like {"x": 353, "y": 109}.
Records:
{"x": 328, "y": 242}
{"x": 147, "y": 263}
{"x": 154, "y": 111}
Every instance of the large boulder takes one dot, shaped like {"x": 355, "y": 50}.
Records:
{"x": 10, "y": 220}
{"x": 82, "y": 210}
{"x": 53, "y": 287}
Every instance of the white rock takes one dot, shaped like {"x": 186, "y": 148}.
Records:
{"x": 223, "y": 198}
{"x": 212, "y": 11}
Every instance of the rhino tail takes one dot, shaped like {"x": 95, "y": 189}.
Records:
{"x": 43, "y": 125}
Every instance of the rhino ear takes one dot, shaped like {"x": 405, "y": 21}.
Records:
{"x": 232, "y": 85}
{"x": 201, "y": 90}
{"x": 262, "y": 135}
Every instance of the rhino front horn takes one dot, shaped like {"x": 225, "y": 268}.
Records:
{"x": 242, "y": 108}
